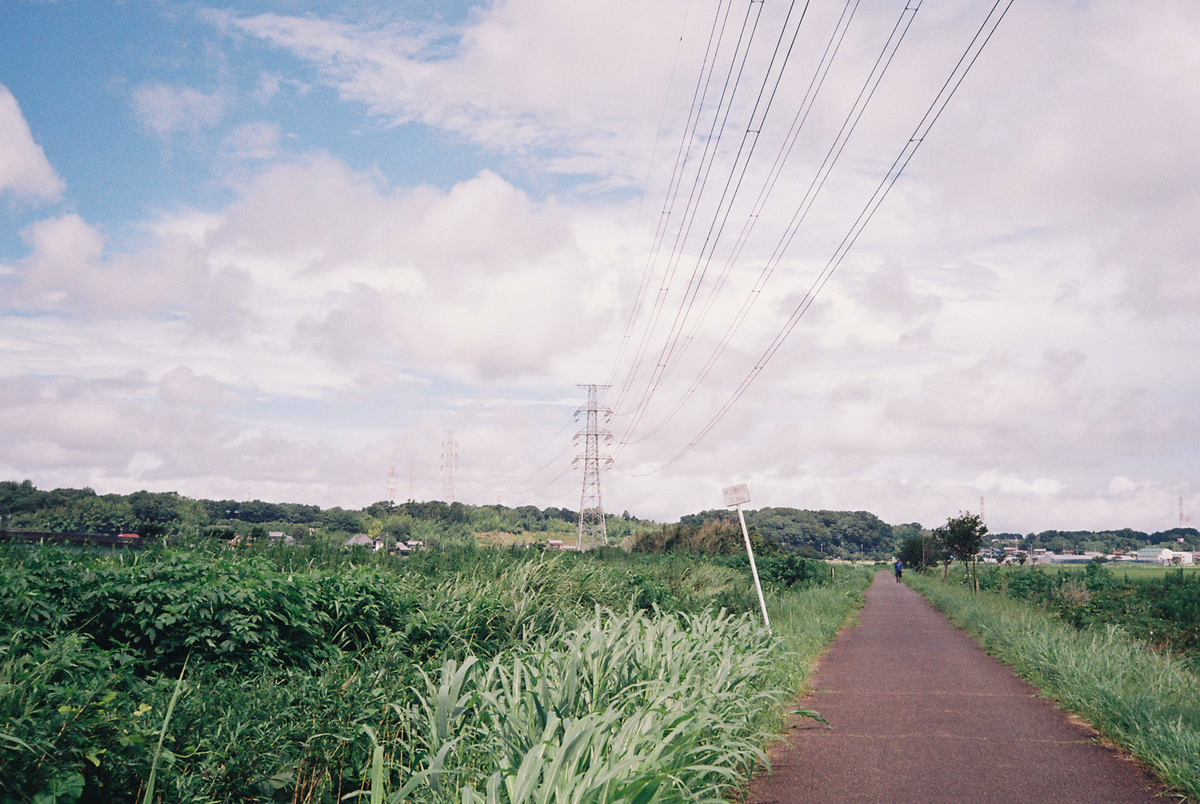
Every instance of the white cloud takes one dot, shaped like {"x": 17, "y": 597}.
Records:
{"x": 1019, "y": 320}
{"x": 69, "y": 271}
{"x": 169, "y": 109}
{"x": 1009, "y": 483}
{"x": 182, "y": 386}
{"x": 270, "y": 83}
{"x": 24, "y": 170}
{"x": 517, "y": 78}
{"x": 316, "y": 262}
{"x": 256, "y": 141}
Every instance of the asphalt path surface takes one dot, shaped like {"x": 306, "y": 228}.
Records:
{"x": 920, "y": 713}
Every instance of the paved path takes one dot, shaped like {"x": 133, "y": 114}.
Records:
{"x": 921, "y": 714}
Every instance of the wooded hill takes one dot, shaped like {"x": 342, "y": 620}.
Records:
{"x": 168, "y": 513}
{"x": 814, "y": 534}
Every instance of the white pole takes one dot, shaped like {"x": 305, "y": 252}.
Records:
{"x": 754, "y": 569}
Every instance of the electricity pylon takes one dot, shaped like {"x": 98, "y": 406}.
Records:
{"x": 592, "y": 531}
{"x": 449, "y": 463}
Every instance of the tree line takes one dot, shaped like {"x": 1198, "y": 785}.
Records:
{"x": 150, "y": 514}
{"x": 814, "y": 534}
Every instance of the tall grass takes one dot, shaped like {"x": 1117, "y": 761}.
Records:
{"x": 624, "y": 708}
{"x": 1143, "y": 700}
{"x": 489, "y": 675}
{"x": 805, "y": 621}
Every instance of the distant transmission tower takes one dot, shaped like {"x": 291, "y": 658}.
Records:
{"x": 391, "y": 485}
{"x": 412, "y": 485}
{"x": 449, "y": 463}
{"x": 592, "y": 530}
{"x": 1183, "y": 520}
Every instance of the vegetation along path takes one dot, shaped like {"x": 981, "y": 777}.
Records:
{"x": 918, "y": 712}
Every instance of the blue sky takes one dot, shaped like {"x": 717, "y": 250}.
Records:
{"x": 276, "y": 248}
{"x": 74, "y": 65}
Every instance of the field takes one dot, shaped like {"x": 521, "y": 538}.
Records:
{"x": 476, "y": 675}
{"x": 1125, "y": 570}
{"x": 1159, "y": 606}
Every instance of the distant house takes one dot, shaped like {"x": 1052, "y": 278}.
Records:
{"x": 363, "y": 540}
{"x": 1165, "y": 556}
{"x": 278, "y": 536}
{"x": 554, "y": 544}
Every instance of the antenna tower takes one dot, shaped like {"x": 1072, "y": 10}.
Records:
{"x": 1183, "y": 520}
{"x": 449, "y": 464}
{"x": 391, "y": 485}
{"x": 412, "y": 484}
{"x": 592, "y": 531}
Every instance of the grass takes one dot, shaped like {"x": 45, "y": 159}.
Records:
{"x": 1140, "y": 699}
{"x": 805, "y": 622}
{"x": 472, "y": 675}
{"x": 1134, "y": 571}
{"x": 624, "y": 708}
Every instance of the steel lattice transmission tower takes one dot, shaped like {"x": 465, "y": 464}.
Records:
{"x": 592, "y": 531}
{"x": 449, "y": 463}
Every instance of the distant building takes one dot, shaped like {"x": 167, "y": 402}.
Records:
{"x": 554, "y": 544}
{"x": 363, "y": 540}
{"x": 1165, "y": 556}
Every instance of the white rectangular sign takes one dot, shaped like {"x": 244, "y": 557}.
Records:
{"x": 736, "y": 495}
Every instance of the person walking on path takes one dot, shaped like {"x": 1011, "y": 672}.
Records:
{"x": 920, "y": 714}
{"x": 899, "y": 568}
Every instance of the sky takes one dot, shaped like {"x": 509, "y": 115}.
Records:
{"x": 281, "y": 250}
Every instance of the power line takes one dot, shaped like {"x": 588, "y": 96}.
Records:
{"x": 832, "y": 47}
{"x": 682, "y": 158}
{"x": 513, "y": 474}
{"x": 646, "y": 271}
{"x": 757, "y": 119}
{"x": 974, "y": 48}
{"x": 848, "y": 126}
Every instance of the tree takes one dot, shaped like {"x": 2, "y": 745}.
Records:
{"x": 340, "y": 520}
{"x": 920, "y": 550}
{"x": 961, "y": 538}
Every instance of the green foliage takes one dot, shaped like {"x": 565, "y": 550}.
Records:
{"x": 304, "y": 663}
{"x": 168, "y": 514}
{"x": 1162, "y": 609}
{"x": 833, "y": 534}
{"x": 962, "y": 536}
{"x": 920, "y": 551}
{"x": 786, "y": 571}
{"x": 711, "y": 537}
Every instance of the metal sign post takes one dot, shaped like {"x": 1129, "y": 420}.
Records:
{"x": 735, "y": 496}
